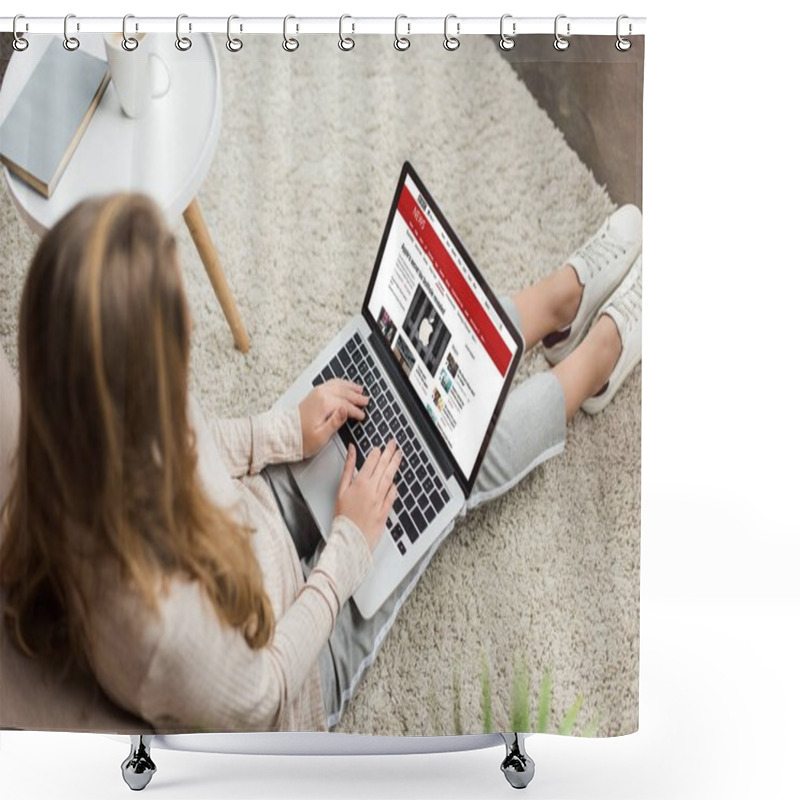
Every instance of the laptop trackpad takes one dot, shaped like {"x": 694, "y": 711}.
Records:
{"x": 319, "y": 483}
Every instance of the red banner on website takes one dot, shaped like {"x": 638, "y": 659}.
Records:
{"x": 457, "y": 285}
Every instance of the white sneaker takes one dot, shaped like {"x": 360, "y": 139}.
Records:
{"x": 600, "y": 265}
{"x": 625, "y": 308}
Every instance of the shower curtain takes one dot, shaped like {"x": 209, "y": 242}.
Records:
{"x": 276, "y": 170}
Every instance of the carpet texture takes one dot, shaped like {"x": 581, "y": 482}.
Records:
{"x": 296, "y": 199}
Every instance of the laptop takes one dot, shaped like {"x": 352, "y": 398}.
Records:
{"x": 436, "y": 353}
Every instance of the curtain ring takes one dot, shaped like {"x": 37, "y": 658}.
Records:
{"x": 346, "y": 42}
{"x": 290, "y": 44}
{"x": 70, "y": 42}
{"x": 20, "y": 43}
{"x": 623, "y": 44}
{"x": 183, "y": 43}
{"x": 560, "y": 42}
{"x": 129, "y": 43}
{"x": 451, "y": 42}
{"x": 507, "y": 42}
{"x": 401, "y": 42}
{"x": 233, "y": 44}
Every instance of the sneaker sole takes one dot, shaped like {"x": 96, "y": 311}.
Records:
{"x": 594, "y": 405}
{"x": 556, "y": 354}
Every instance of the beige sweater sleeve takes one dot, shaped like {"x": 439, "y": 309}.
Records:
{"x": 247, "y": 444}
{"x": 203, "y": 675}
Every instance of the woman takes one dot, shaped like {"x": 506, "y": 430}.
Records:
{"x": 167, "y": 551}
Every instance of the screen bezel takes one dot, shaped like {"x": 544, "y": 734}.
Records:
{"x": 466, "y": 482}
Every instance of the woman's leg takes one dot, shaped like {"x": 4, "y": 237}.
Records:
{"x": 547, "y": 305}
{"x": 531, "y": 429}
{"x": 550, "y": 305}
{"x": 9, "y": 423}
{"x": 532, "y": 424}
{"x": 587, "y": 368}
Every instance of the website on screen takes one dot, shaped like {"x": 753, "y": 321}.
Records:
{"x": 447, "y": 338}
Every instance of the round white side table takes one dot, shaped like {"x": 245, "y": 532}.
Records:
{"x": 165, "y": 154}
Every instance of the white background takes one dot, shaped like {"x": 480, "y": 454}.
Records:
{"x": 719, "y": 714}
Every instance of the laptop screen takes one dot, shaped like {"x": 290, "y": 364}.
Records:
{"x": 431, "y": 306}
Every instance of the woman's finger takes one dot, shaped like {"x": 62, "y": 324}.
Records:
{"x": 352, "y": 392}
{"x": 388, "y": 501}
{"x": 357, "y": 398}
{"x": 355, "y": 412}
{"x": 370, "y": 462}
{"x": 348, "y": 473}
{"x": 344, "y": 387}
{"x": 386, "y": 458}
{"x": 387, "y": 479}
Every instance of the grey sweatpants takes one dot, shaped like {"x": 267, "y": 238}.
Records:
{"x": 531, "y": 428}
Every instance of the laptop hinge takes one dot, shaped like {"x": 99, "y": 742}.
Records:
{"x": 443, "y": 458}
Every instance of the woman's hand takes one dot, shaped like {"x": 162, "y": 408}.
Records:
{"x": 367, "y": 498}
{"x": 324, "y": 410}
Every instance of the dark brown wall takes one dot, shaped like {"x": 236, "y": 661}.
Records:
{"x": 593, "y": 93}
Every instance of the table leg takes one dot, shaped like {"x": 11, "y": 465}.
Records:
{"x": 208, "y": 255}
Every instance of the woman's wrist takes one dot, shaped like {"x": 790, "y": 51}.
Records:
{"x": 347, "y": 534}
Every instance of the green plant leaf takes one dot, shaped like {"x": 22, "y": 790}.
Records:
{"x": 458, "y": 727}
{"x": 591, "y": 729}
{"x": 568, "y": 723}
{"x": 486, "y": 698}
{"x": 520, "y": 699}
{"x": 544, "y": 703}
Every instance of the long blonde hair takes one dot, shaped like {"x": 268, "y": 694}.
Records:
{"x": 105, "y": 445}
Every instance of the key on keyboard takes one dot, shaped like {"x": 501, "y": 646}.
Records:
{"x": 421, "y": 495}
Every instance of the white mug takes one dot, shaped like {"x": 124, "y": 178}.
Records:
{"x": 140, "y": 76}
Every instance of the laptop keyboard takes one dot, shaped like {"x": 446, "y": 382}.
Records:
{"x": 421, "y": 494}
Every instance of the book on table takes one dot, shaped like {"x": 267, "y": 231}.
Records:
{"x": 51, "y": 114}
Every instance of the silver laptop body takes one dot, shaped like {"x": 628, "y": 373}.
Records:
{"x": 452, "y": 324}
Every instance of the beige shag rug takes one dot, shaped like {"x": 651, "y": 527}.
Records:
{"x": 297, "y": 196}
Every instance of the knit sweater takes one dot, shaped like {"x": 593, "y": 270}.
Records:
{"x": 185, "y": 670}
